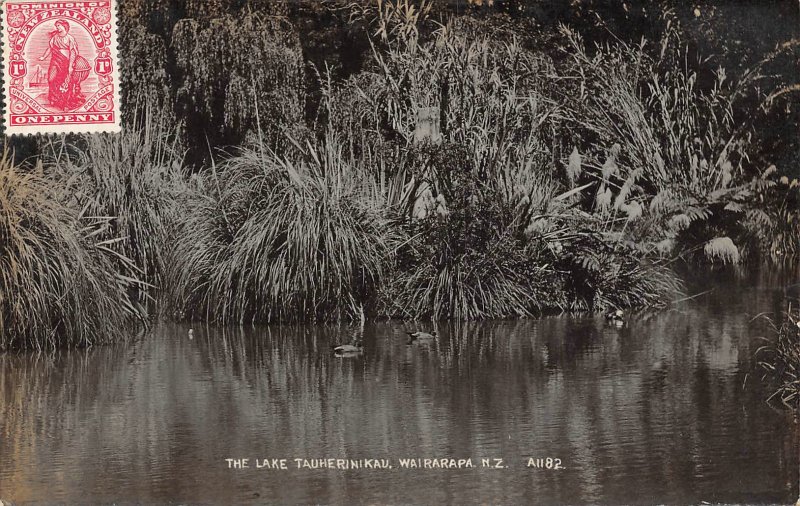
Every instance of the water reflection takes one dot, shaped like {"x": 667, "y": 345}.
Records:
{"x": 665, "y": 409}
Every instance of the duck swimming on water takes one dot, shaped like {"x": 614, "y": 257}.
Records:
{"x": 422, "y": 336}
{"x": 349, "y": 349}
{"x": 616, "y": 317}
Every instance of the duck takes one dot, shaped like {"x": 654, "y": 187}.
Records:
{"x": 422, "y": 336}
{"x": 191, "y": 333}
{"x": 349, "y": 349}
{"x": 615, "y": 317}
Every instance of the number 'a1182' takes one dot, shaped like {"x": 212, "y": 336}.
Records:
{"x": 544, "y": 463}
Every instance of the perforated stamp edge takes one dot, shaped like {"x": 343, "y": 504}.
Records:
{"x": 56, "y": 128}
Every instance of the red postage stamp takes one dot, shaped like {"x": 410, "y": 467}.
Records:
{"x": 60, "y": 66}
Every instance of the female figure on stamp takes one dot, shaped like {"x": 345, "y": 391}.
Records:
{"x": 67, "y": 69}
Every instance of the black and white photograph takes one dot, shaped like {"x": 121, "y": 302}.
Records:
{"x": 400, "y": 252}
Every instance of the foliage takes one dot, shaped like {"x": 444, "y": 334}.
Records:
{"x": 651, "y": 133}
{"x": 465, "y": 169}
{"x": 136, "y": 180}
{"x": 478, "y": 198}
{"x": 780, "y": 361}
{"x": 231, "y": 71}
{"x": 144, "y": 78}
{"x": 61, "y": 281}
{"x": 160, "y": 16}
{"x": 393, "y": 20}
{"x": 603, "y": 271}
{"x": 722, "y": 248}
{"x": 477, "y": 252}
{"x": 776, "y": 220}
{"x": 277, "y": 238}
{"x": 468, "y": 257}
{"x": 472, "y": 81}
{"x": 156, "y": 16}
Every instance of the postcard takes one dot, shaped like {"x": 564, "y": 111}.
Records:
{"x": 400, "y": 252}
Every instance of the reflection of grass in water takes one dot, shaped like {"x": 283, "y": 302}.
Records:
{"x": 170, "y": 402}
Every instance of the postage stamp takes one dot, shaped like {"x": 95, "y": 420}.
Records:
{"x": 60, "y": 67}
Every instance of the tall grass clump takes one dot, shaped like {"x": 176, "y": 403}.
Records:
{"x": 781, "y": 361}
{"x": 137, "y": 180}
{"x": 282, "y": 238}
{"x": 61, "y": 282}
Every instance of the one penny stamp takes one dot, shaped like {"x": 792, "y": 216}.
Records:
{"x": 60, "y": 67}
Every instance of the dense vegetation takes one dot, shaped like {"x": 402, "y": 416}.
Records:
{"x": 403, "y": 159}
{"x": 61, "y": 281}
{"x": 780, "y": 360}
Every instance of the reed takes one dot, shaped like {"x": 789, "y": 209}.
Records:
{"x": 780, "y": 361}
{"x": 278, "y": 238}
{"x": 62, "y": 283}
{"x": 137, "y": 180}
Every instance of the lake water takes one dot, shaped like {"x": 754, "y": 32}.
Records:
{"x": 667, "y": 409}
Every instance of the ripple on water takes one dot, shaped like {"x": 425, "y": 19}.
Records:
{"x": 654, "y": 411}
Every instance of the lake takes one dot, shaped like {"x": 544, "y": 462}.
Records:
{"x": 668, "y": 408}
